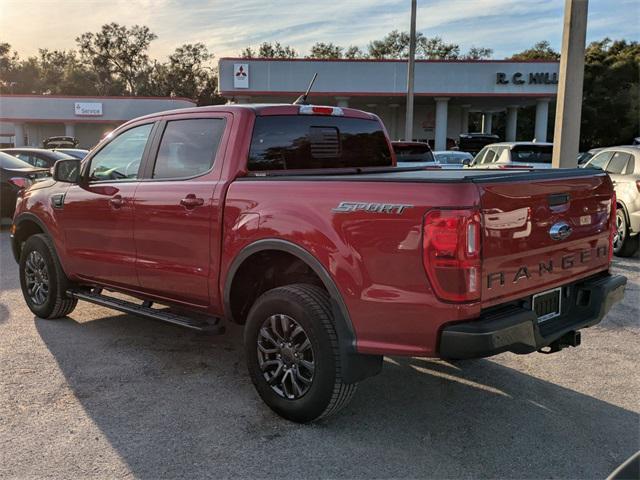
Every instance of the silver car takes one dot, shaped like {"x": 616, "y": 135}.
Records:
{"x": 514, "y": 155}
{"x": 623, "y": 166}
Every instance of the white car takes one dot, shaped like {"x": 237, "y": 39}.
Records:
{"x": 623, "y": 166}
{"x": 514, "y": 155}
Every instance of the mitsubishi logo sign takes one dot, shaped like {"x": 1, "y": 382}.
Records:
{"x": 240, "y": 75}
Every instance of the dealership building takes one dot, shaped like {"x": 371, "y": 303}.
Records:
{"x": 446, "y": 92}
{"x": 26, "y": 120}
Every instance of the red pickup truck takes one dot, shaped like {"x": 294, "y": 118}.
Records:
{"x": 294, "y": 221}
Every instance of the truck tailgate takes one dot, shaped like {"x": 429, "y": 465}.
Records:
{"x": 542, "y": 231}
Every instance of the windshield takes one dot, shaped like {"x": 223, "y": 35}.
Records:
{"x": 532, "y": 153}
{"x": 452, "y": 158}
{"x": 11, "y": 162}
{"x": 413, "y": 153}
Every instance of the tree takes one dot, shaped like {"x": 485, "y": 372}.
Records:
{"x": 478, "y": 53}
{"x": 120, "y": 53}
{"x": 540, "y": 51}
{"x": 436, "y": 49}
{"x": 394, "y": 45}
{"x": 353, "y": 52}
{"x": 248, "y": 53}
{"x": 611, "y": 95}
{"x": 323, "y": 50}
{"x": 270, "y": 50}
{"x": 188, "y": 73}
{"x": 61, "y": 72}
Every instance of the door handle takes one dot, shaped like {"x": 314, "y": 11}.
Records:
{"x": 191, "y": 201}
{"x": 116, "y": 201}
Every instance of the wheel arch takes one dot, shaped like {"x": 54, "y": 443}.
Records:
{"x": 343, "y": 324}
{"x": 25, "y": 225}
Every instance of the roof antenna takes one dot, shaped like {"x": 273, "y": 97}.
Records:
{"x": 302, "y": 99}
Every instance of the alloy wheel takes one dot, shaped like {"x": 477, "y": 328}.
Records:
{"x": 37, "y": 278}
{"x": 621, "y": 231}
{"x": 285, "y": 356}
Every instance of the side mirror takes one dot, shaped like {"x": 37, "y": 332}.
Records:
{"x": 67, "y": 171}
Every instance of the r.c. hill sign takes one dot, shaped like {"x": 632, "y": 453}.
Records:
{"x": 518, "y": 78}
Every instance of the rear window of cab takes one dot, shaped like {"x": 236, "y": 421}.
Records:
{"x": 296, "y": 142}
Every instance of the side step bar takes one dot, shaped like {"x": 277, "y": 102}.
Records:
{"x": 213, "y": 327}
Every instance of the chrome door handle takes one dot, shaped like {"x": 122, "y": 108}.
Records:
{"x": 191, "y": 201}
{"x": 116, "y": 201}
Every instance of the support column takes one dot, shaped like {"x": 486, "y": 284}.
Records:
{"x": 70, "y": 129}
{"x": 18, "y": 132}
{"x": 566, "y": 136}
{"x": 542, "y": 117}
{"x": 342, "y": 102}
{"x": 512, "y": 123}
{"x": 442, "y": 112}
{"x": 487, "y": 122}
{"x": 464, "y": 118}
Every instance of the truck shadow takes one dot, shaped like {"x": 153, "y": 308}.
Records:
{"x": 176, "y": 404}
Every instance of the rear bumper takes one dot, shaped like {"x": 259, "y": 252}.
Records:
{"x": 515, "y": 328}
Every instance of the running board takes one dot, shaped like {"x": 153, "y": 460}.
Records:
{"x": 213, "y": 327}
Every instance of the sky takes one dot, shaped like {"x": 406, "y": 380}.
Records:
{"x": 228, "y": 26}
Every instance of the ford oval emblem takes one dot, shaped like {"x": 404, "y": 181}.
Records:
{"x": 560, "y": 231}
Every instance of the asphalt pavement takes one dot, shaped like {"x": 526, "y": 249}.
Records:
{"x": 106, "y": 395}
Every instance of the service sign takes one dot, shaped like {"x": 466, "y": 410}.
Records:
{"x": 86, "y": 109}
{"x": 240, "y": 75}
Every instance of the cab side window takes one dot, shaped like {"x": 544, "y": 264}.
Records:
{"x": 188, "y": 147}
{"x": 120, "y": 159}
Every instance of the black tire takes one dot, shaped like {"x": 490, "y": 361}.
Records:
{"x": 626, "y": 245}
{"x": 54, "y": 303}
{"x": 309, "y": 307}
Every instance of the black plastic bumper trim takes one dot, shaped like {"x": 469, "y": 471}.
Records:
{"x": 516, "y": 329}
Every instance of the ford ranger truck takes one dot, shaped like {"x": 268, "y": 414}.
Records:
{"x": 294, "y": 221}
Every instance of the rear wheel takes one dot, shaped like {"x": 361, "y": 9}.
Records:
{"x": 293, "y": 354}
{"x": 624, "y": 245}
{"x": 43, "y": 282}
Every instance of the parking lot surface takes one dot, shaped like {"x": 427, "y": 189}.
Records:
{"x": 103, "y": 395}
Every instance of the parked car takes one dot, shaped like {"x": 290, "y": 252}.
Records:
{"x": 474, "y": 142}
{"x": 60, "y": 142}
{"x": 623, "y": 166}
{"x": 413, "y": 154}
{"x": 14, "y": 175}
{"x": 452, "y": 158}
{"x": 73, "y": 152}
{"x": 37, "y": 157}
{"x": 293, "y": 221}
{"x": 514, "y": 155}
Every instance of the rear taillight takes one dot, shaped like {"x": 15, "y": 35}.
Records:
{"x": 613, "y": 226}
{"x": 20, "y": 182}
{"x": 638, "y": 185}
{"x": 316, "y": 110}
{"x": 451, "y": 254}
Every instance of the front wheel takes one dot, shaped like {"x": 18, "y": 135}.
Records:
{"x": 293, "y": 354}
{"x": 42, "y": 279}
{"x": 624, "y": 245}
